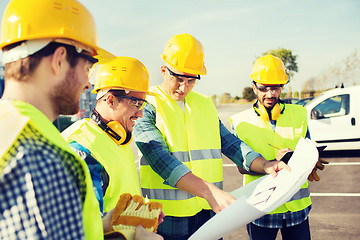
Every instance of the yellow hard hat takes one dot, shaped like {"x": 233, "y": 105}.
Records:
{"x": 185, "y": 53}
{"x": 50, "y": 19}
{"x": 269, "y": 70}
{"x": 122, "y": 73}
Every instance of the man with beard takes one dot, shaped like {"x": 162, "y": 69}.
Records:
{"x": 103, "y": 141}
{"x": 45, "y": 188}
{"x": 271, "y": 123}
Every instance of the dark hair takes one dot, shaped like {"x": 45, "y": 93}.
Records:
{"x": 21, "y": 69}
{"x": 118, "y": 92}
{"x": 115, "y": 92}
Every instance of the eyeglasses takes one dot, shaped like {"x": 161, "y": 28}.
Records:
{"x": 137, "y": 103}
{"x": 89, "y": 58}
{"x": 179, "y": 78}
{"x": 79, "y": 48}
{"x": 265, "y": 89}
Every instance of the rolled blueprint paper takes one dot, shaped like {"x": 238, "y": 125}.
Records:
{"x": 263, "y": 195}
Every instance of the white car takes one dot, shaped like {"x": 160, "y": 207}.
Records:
{"x": 334, "y": 118}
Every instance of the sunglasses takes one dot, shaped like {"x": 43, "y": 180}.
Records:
{"x": 180, "y": 79}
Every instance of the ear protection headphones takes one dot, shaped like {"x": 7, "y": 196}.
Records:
{"x": 274, "y": 113}
{"x": 113, "y": 128}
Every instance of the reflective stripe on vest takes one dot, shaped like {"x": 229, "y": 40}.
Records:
{"x": 193, "y": 138}
{"x": 290, "y": 127}
{"x": 196, "y": 155}
{"x": 25, "y": 113}
{"x": 118, "y": 161}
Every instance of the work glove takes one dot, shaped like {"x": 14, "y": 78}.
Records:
{"x": 131, "y": 211}
{"x": 319, "y": 165}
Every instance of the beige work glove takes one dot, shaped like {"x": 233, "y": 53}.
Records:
{"x": 319, "y": 165}
{"x": 131, "y": 211}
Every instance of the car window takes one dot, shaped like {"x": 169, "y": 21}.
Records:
{"x": 332, "y": 107}
{"x": 304, "y": 101}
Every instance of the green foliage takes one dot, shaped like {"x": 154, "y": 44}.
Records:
{"x": 225, "y": 98}
{"x": 249, "y": 94}
{"x": 287, "y": 57}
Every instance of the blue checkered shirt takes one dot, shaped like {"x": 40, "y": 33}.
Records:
{"x": 152, "y": 144}
{"x": 41, "y": 190}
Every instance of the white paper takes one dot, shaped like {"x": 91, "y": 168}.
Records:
{"x": 263, "y": 195}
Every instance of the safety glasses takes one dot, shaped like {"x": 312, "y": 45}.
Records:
{"x": 265, "y": 89}
{"x": 181, "y": 79}
{"x": 89, "y": 58}
{"x": 137, "y": 103}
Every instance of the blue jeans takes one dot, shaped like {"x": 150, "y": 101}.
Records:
{"x": 194, "y": 223}
{"x": 297, "y": 232}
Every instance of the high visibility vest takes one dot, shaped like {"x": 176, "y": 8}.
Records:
{"x": 118, "y": 161}
{"x": 15, "y": 116}
{"x": 193, "y": 138}
{"x": 256, "y": 133}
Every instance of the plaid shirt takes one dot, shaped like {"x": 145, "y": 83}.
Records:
{"x": 281, "y": 220}
{"x": 41, "y": 190}
{"x": 151, "y": 143}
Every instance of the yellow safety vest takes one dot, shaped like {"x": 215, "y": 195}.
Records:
{"x": 290, "y": 127}
{"x": 15, "y": 116}
{"x": 193, "y": 138}
{"x": 118, "y": 161}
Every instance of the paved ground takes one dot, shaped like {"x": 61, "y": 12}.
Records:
{"x": 336, "y": 197}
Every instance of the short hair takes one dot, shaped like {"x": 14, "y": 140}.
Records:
{"x": 23, "y": 68}
{"x": 115, "y": 92}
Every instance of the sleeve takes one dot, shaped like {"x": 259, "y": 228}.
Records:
{"x": 235, "y": 149}
{"x": 152, "y": 145}
{"x": 98, "y": 174}
{"x": 39, "y": 199}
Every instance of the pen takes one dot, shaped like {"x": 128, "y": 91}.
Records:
{"x": 273, "y": 146}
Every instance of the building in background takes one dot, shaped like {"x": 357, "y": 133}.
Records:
{"x": 2, "y": 84}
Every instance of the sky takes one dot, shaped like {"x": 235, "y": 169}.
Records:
{"x": 233, "y": 33}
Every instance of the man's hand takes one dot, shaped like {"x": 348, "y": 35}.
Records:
{"x": 132, "y": 211}
{"x": 282, "y": 152}
{"x": 272, "y": 167}
{"x": 142, "y": 234}
{"x": 319, "y": 165}
{"x": 219, "y": 199}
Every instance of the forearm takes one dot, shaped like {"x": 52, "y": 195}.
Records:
{"x": 236, "y": 150}
{"x": 153, "y": 146}
{"x": 258, "y": 165}
{"x": 194, "y": 185}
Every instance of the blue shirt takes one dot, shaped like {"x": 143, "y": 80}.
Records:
{"x": 153, "y": 146}
{"x": 99, "y": 176}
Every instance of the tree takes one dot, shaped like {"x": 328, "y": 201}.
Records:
{"x": 287, "y": 57}
{"x": 249, "y": 94}
{"x": 344, "y": 72}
